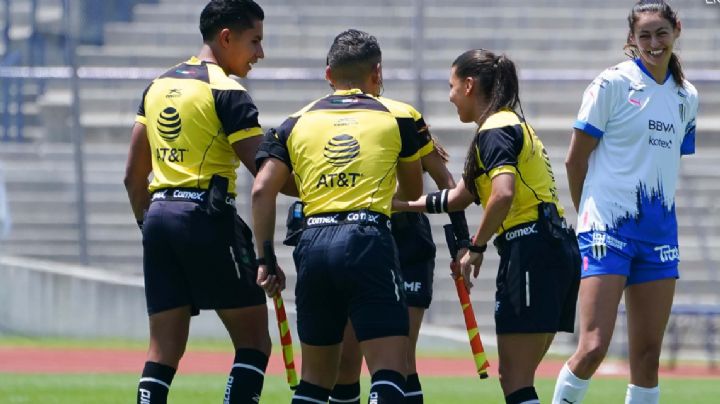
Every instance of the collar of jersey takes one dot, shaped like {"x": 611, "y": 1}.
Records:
{"x": 195, "y": 61}
{"x": 642, "y": 67}
{"x": 352, "y": 91}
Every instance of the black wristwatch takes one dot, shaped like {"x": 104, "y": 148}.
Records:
{"x": 261, "y": 261}
{"x": 477, "y": 249}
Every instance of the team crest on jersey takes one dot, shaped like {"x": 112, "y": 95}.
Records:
{"x": 169, "y": 124}
{"x": 599, "y": 248}
{"x": 174, "y": 93}
{"x": 341, "y": 150}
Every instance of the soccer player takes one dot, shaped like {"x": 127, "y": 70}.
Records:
{"x": 636, "y": 120}
{"x": 193, "y": 128}
{"x": 413, "y": 237}
{"x": 507, "y": 170}
{"x": 347, "y": 153}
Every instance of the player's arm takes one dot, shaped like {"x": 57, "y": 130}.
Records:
{"x": 497, "y": 207}
{"x": 452, "y": 200}
{"x": 137, "y": 170}
{"x": 247, "y": 149}
{"x": 436, "y": 166}
{"x": 271, "y": 177}
{"x": 409, "y": 176}
{"x": 576, "y": 162}
{"x": 496, "y": 210}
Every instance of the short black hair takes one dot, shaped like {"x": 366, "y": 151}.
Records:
{"x": 353, "y": 54}
{"x": 235, "y": 14}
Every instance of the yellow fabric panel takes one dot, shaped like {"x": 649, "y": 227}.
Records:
{"x": 185, "y": 130}
{"x": 533, "y": 173}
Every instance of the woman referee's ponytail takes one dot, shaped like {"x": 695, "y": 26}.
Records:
{"x": 498, "y": 83}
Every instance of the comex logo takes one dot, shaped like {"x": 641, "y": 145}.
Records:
{"x": 169, "y": 124}
{"x": 341, "y": 150}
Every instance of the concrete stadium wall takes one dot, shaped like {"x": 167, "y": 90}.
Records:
{"x": 41, "y": 298}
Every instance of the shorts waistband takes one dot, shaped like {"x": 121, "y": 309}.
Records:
{"x": 515, "y": 232}
{"x": 196, "y": 195}
{"x": 364, "y": 216}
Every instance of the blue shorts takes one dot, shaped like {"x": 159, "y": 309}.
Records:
{"x": 413, "y": 237}
{"x": 607, "y": 253}
{"x": 348, "y": 271}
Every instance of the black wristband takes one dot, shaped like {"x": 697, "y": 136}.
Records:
{"x": 437, "y": 202}
{"x": 261, "y": 261}
{"x": 460, "y": 227}
{"x": 477, "y": 249}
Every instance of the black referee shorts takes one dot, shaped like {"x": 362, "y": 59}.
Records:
{"x": 348, "y": 270}
{"x": 537, "y": 282}
{"x": 413, "y": 236}
{"x": 191, "y": 258}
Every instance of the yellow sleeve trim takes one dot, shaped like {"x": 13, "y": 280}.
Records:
{"x": 427, "y": 149}
{"x": 502, "y": 170}
{"x": 408, "y": 159}
{"x": 141, "y": 119}
{"x": 244, "y": 134}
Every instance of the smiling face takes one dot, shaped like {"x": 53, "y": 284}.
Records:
{"x": 242, "y": 48}
{"x": 463, "y": 97}
{"x": 466, "y": 95}
{"x": 654, "y": 37}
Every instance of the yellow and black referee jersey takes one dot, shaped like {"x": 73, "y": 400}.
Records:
{"x": 193, "y": 113}
{"x": 506, "y": 144}
{"x": 343, "y": 150}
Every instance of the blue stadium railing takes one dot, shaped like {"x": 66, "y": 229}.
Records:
{"x": 11, "y": 93}
{"x": 94, "y": 15}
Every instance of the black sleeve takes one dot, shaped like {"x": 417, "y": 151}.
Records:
{"x": 274, "y": 144}
{"x": 500, "y": 147}
{"x": 413, "y": 134}
{"x": 141, "y": 107}
{"x": 236, "y": 110}
{"x": 421, "y": 126}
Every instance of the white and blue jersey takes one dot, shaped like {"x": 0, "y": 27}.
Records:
{"x": 643, "y": 127}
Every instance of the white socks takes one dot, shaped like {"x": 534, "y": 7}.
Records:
{"x": 569, "y": 389}
{"x": 642, "y": 395}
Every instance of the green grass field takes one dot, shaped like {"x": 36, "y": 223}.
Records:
{"x": 200, "y": 389}
{"x": 120, "y": 389}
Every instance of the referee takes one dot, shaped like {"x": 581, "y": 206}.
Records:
{"x": 347, "y": 152}
{"x": 193, "y": 127}
{"x": 508, "y": 171}
{"x": 416, "y": 251}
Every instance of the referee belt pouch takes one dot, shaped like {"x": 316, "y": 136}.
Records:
{"x": 294, "y": 223}
{"x": 217, "y": 193}
{"x": 551, "y": 224}
{"x": 556, "y": 229}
